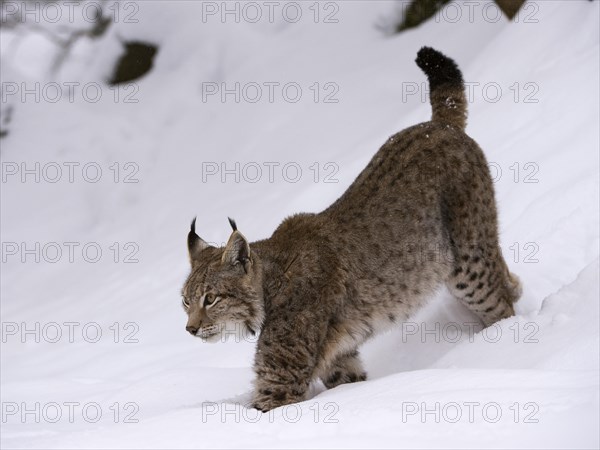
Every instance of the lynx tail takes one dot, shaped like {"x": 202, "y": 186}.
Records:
{"x": 447, "y": 90}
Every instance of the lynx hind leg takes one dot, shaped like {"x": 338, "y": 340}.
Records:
{"x": 346, "y": 368}
{"x": 482, "y": 282}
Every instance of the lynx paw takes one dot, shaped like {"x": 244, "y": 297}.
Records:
{"x": 340, "y": 377}
{"x": 347, "y": 368}
{"x": 268, "y": 399}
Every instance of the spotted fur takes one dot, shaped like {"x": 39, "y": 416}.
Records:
{"x": 422, "y": 213}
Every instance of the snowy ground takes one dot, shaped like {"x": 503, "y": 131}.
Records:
{"x": 531, "y": 381}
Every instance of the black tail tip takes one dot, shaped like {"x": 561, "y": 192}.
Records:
{"x": 428, "y": 53}
{"x": 438, "y": 67}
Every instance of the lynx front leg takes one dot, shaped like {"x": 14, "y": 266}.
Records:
{"x": 346, "y": 368}
{"x": 284, "y": 366}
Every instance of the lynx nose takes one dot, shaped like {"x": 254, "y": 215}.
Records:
{"x": 195, "y": 321}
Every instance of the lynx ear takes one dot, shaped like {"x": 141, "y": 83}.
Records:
{"x": 237, "y": 250}
{"x": 195, "y": 243}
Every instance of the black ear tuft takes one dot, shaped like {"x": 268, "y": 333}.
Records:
{"x": 192, "y": 237}
{"x": 232, "y": 223}
{"x": 195, "y": 243}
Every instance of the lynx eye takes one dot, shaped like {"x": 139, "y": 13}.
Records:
{"x": 211, "y": 299}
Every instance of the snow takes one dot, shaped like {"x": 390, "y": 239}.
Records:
{"x": 528, "y": 381}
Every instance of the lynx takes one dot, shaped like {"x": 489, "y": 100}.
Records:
{"x": 421, "y": 214}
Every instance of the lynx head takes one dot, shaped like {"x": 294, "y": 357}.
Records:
{"x": 223, "y": 293}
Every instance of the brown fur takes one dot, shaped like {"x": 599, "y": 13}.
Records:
{"x": 422, "y": 213}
